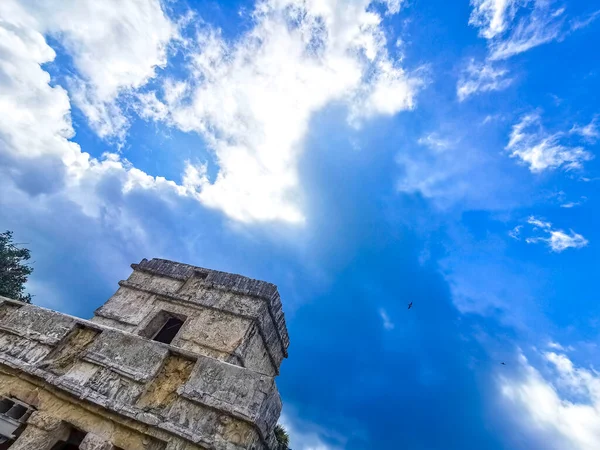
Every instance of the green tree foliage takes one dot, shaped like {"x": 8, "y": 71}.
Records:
{"x": 283, "y": 438}
{"x": 13, "y": 269}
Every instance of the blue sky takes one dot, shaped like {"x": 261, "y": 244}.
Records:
{"x": 360, "y": 155}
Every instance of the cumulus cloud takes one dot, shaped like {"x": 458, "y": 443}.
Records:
{"x": 252, "y": 99}
{"x": 542, "y": 150}
{"x": 115, "y": 47}
{"x": 481, "y": 77}
{"x": 36, "y": 129}
{"x": 561, "y": 409}
{"x": 558, "y": 240}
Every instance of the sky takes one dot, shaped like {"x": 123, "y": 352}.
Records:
{"x": 360, "y": 155}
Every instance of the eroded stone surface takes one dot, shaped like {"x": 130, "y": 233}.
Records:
{"x": 94, "y": 442}
{"x": 162, "y": 391}
{"x": 42, "y": 433}
{"x": 244, "y": 392}
{"x": 131, "y": 355}
{"x": 39, "y": 324}
{"x": 210, "y": 387}
{"x": 62, "y": 358}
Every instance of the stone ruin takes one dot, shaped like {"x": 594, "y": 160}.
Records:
{"x": 179, "y": 358}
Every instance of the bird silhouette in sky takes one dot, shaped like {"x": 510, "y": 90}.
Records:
{"x": 410, "y": 305}
{"x": 503, "y": 363}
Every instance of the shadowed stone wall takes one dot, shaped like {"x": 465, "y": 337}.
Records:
{"x": 211, "y": 387}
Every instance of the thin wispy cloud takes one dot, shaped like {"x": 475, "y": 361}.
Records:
{"x": 512, "y": 27}
{"x": 541, "y": 150}
{"x": 556, "y": 239}
{"x": 492, "y": 16}
{"x": 482, "y": 77}
{"x": 387, "y": 322}
{"x": 543, "y": 24}
{"x": 569, "y": 205}
{"x": 590, "y": 132}
{"x": 436, "y": 142}
{"x": 579, "y": 23}
{"x": 515, "y": 233}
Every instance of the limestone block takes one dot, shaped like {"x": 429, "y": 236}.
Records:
{"x": 200, "y": 280}
{"x": 93, "y": 442}
{"x": 62, "y": 358}
{"x": 162, "y": 391}
{"x": 236, "y": 390}
{"x": 7, "y": 308}
{"x": 37, "y": 323}
{"x": 191, "y": 419}
{"x": 41, "y": 433}
{"x": 129, "y": 355}
{"x": 22, "y": 349}
{"x": 215, "y": 329}
{"x": 78, "y": 375}
{"x": 155, "y": 282}
{"x": 127, "y": 305}
{"x": 255, "y": 355}
{"x": 114, "y": 386}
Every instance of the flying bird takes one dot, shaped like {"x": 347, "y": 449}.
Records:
{"x": 410, "y": 305}
{"x": 503, "y": 363}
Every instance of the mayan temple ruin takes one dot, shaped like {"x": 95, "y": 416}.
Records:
{"x": 179, "y": 358}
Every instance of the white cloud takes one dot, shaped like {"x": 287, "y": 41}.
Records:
{"x": 560, "y": 241}
{"x": 582, "y": 200}
{"x": 557, "y": 240}
{"x": 562, "y": 410}
{"x": 515, "y": 233}
{"x": 115, "y": 47}
{"x": 542, "y": 150}
{"x": 584, "y": 22}
{"x": 36, "y": 131}
{"x": 557, "y": 346}
{"x": 539, "y": 223}
{"x": 306, "y": 436}
{"x": 453, "y": 169}
{"x": 482, "y": 77}
{"x": 509, "y": 33}
{"x": 589, "y": 132}
{"x": 387, "y": 323}
{"x": 541, "y": 25}
{"x": 491, "y": 16}
{"x": 511, "y": 27}
{"x": 435, "y": 142}
{"x": 252, "y": 99}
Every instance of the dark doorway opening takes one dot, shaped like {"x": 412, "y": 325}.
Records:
{"x": 73, "y": 441}
{"x": 169, "y": 330}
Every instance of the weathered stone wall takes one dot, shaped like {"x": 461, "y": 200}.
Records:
{"x": 134, "y": 389}
{"x": 229, "y": 317}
